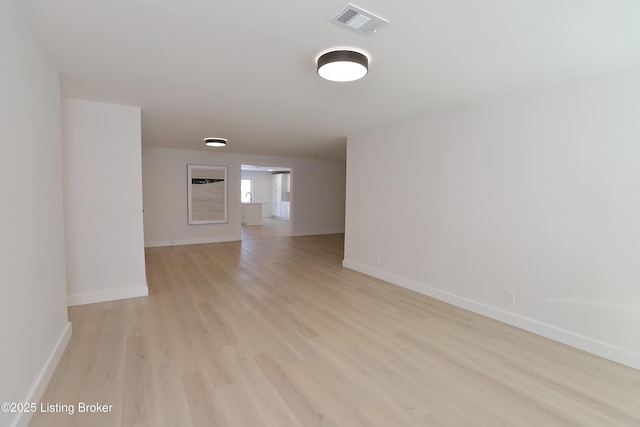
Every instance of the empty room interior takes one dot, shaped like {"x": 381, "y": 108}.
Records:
{"x": 320, "y": 213}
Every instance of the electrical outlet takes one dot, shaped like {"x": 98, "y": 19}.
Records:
{"x": 510, "y": 297}
{"x": 378, "y": 260}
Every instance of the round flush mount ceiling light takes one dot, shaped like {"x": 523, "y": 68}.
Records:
{"x": 215, "y": 142}
{"x": 343, "y": 65}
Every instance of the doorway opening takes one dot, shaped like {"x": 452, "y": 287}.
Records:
{"x": 266, "y": 201}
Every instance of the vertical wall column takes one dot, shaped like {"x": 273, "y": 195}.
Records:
{"x": 103, "y": 202}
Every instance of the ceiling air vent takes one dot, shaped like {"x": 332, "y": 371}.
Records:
{"x": 359, "y": 20}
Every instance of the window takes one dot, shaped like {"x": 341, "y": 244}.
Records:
{"x": 246, "y": 188}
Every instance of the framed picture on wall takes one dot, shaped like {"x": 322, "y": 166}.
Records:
{"x": 207, "y": 194}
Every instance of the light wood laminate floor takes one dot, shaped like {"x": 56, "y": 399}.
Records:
{"x": 274, "y": 332}
{"x": 271, "y": 227}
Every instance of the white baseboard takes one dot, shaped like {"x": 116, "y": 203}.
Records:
{"x": 548, "y": 331}
{"x": 162, "y": 243}
{"x": 107, "y": 295}
{"x": 320, "y": 232}
{"x": 39, "y": 387}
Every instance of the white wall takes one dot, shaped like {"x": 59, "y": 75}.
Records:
{"x": 33, "y": 314}
{"x": 262, "y": 189}
{"x": 538, "y": 194}
{"x": 318, "y": 195}
{"x": 102, "y": 165}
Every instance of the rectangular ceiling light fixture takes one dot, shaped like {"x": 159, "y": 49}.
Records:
{"x": 359, "y": 20}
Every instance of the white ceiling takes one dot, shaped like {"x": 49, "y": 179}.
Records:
{"x": 264, "y": 168}
{"x": 245, "y": 70}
